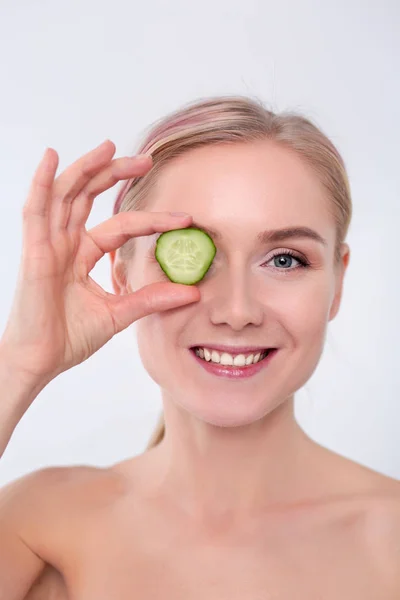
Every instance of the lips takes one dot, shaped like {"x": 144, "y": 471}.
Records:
{"x": 232, "y": 349}
{"x": 235, "y": 372}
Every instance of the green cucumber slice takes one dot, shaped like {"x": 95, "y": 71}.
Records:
{"x": 185, "y": 255}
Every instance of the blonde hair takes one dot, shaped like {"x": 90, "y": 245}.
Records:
{"x": 229, "y": 120}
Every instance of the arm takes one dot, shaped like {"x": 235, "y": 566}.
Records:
{"x": 16, "y": 395}
{"x": 19, "y": 565}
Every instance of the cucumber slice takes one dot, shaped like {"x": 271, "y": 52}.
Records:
{"x": 185, "y": 255}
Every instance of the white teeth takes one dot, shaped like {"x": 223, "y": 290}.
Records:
{"x": 239, "y": 360}
{"x": 227, "y": 359}
{"x": 215, "y": 356}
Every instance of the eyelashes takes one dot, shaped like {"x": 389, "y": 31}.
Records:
{"x": 304, "y": 263}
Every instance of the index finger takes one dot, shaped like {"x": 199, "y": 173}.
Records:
{"x": 116, "y": 231}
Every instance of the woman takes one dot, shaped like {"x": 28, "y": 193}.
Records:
{"x": 231, "y": 499}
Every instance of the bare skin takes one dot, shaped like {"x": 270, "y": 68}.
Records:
{"x": 110, "y": 537}
{"x": 60, "y": 316}
{"x": 256, "y": 510}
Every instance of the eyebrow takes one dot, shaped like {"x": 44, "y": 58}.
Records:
{"x": 272, "y": 235}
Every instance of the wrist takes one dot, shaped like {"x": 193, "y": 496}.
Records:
{"x": 15, "y": 379}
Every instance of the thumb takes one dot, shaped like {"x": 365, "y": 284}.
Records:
{"x": 155, "y": 297}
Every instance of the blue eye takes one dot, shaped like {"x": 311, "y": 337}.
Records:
{"x": 284, "y": 264}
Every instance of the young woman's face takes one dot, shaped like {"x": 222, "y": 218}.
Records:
{"x": 254, "y": 294}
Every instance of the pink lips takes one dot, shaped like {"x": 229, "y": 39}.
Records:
{"x": 234, "y": 372}
{"x": 232, "y": 349}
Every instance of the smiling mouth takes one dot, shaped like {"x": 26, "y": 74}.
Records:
{"x": 230, "y": 360}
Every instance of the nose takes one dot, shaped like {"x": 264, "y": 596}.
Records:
{"x": 237, "y": 302}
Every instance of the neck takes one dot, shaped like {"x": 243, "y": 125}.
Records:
{"x": 215, "y": 471}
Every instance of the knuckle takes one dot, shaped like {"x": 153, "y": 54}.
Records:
{"x": 126, "y": 222}
{"x": 86, "y": 169}
{"x": 116, "y": 162}
{"x": 28, "y": 211}
{"x": 41, "y": 184}
{"x": 120, "y": 223}
{"x": 149, "y": 300}
{"x": 112, "y": 179}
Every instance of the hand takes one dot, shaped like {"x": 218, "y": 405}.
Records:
{"x": 60, "y": 316}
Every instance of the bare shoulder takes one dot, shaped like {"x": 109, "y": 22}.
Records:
{"x": 40, "y": 504}
{"x": 383, "y": 528}
{"x": 41, "y": 513}
{"x": 42, "y": 487}
{"x": 370, "y": 504}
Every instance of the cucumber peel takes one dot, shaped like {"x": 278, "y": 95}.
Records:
{"x": 185, "y": 255}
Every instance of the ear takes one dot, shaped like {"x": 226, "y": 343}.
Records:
{"x": 345, "y": 257}
{"x": 118, "y": 274}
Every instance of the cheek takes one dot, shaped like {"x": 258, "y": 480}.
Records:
{"x": 156, "y": 334}
{"x": 150, "y": 332}
{"x": 303, "y": 313}
{"x": 305, "y": 310}
{"x": 149, "y": 350}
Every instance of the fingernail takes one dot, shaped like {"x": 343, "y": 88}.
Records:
{"x": 179, "y": 214}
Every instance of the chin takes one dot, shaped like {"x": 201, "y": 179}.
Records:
{"x": 223, "y": 408}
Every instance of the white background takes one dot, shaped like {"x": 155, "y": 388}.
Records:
{"x": 75, "y": 73}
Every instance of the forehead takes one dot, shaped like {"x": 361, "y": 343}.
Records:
{"x": 258, "y": 184}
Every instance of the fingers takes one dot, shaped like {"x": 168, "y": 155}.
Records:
{"x": 37, "y": 206}
{"x": 119, "y": 169}
{"x": 73, "y": 179}
{"x": 117, "y": 230}
{"x": 154, "y": 297}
